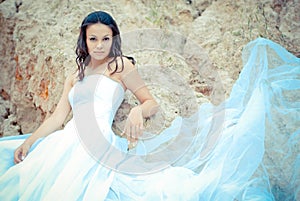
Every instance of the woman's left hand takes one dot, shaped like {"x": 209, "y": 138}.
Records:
{"x": 134, "y": 126}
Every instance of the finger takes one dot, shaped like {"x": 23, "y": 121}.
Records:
{"x": 141, "y": 129}
{"x": 125, "y": 131}
{"x": 142, "y": 126}
{"x": 131, "y": 145}
{"x": 131, "y": 141}
{"x": 17, "y": 158}
{"x": 137, "y": 132}
{"x": 128, "y": 128}
{"x": 128, "y": 134}
{"x": 122, "y": 134}
{"x": 132, "y": 132}
{"x": 128, "y": 131}
{"x": 24, "y": 154}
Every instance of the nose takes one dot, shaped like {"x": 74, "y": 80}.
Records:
{"x": 99, "y": 45}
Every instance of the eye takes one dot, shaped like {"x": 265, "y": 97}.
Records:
{"x": 92, "y": 38}
{"x": 106, "y": 39}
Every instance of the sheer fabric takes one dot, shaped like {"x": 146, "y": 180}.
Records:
{"x": 243, "y": 149}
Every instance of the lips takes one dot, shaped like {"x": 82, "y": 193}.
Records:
{"x": 99, "y": 52}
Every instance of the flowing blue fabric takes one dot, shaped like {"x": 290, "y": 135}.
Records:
{"x": 246, "y": 148}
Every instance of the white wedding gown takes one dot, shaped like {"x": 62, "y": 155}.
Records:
{"x": 222, "y": 146}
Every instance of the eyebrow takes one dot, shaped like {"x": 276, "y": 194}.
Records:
{"x": 107, "y": 35}
{"x": 96, "y": 36}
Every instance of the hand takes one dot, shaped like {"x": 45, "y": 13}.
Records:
{"x": 21, "y": 152}
{"x": 134, "y": 126}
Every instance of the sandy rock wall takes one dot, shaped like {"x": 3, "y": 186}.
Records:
{"x": 38, "y": 41}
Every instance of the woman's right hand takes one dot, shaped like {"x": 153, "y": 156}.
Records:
{"x": 21, "y": 152}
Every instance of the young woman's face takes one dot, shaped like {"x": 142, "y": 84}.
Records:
{"x": 99, "y": 39}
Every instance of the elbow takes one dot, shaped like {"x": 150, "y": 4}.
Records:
{"x": 57, "y": 120}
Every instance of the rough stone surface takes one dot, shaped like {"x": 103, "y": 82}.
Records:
{"x": 38, "y": 41}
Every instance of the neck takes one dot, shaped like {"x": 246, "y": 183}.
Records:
{"x": 97, "y": 63}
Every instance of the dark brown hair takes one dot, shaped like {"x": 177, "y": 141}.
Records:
{"x": 83, "y": 57}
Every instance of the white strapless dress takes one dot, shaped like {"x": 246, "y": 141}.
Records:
{"x": 213, "y": 155}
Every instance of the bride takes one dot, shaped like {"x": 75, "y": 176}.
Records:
{"x": 87, "y": 161}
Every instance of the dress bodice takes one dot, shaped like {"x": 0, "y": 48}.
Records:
{"x": 99, "y": 94}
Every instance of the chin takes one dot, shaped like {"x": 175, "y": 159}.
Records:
{"x": 98, "y": 57}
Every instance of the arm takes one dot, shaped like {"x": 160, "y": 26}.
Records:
{"x": 148, "y": 106}
{"x": 54, "y": 122}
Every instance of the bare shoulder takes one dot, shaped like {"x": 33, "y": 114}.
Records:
{"x": 128, "y": 66}
{"x": 131, "y": 78}
{"x": 71, "y": 79}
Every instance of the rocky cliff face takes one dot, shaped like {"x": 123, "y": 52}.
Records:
{"x": 38, "y": 41}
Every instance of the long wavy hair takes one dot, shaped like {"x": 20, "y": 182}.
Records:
{"x": 83, "y": 58}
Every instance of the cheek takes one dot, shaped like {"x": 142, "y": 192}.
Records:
{"x": 87, "y": 45}
{"x": 109, "y": 46}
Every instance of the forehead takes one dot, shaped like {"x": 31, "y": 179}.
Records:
{"x": 98, "y": 29}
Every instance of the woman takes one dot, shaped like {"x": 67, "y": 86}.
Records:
{"x": 87, "y": 161}
{"x": 99, "y": 53}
